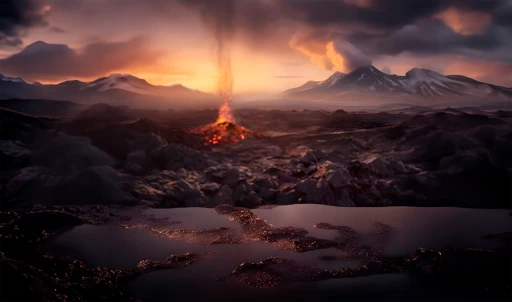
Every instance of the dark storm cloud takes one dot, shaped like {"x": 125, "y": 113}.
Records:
{"x": 427, "y": 37}
{"x": 252, "y": 20}
{"x": 374, "y": 27}
{"x": 54, "y": 61}
{"x": 18, "y": 15}
{"x": 378, "y": 14}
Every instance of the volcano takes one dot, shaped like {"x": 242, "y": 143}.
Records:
{"x": 224, "y": 133}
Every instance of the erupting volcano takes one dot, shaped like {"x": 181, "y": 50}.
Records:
{"x": 225, "y": 132}
{"x": 224, "y": 129}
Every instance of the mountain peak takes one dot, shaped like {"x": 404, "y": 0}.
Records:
{"x": 9, "y": 79}
{"x": 367, "y": 68}
{"x": 117, "y": 75}
{"x": 422, "y": 72}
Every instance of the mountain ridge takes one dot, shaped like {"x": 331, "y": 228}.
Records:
{"x": 115, "y": 89}
{"x": 416, "y": 83}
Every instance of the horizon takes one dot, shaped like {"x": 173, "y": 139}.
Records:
{"x": 243, "y": 95}
{"x": 273, "y": 45}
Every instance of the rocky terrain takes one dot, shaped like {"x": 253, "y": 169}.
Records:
{"x": 120, "y": 156}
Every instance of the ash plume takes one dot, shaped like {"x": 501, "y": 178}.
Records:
{"x": 219, "y": 16}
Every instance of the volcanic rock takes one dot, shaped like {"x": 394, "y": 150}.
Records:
{"x": 105, "y": 181}
{"x": 137, "y": 162}
{"x": 13, "y": 154}
{"x": 223, "y": 196}
{"x": 176, "y": 156}
{"x": 67, "y": 154}
{"x": 337, "y": 178}
{"x": 184, "y": 193}
{"x": 210, "y": 188}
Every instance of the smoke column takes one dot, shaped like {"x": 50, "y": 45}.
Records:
{"x": 218, "y": 16}
{"x": 221, "y": 14}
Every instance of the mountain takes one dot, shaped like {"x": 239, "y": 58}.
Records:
{"x": 369, "y": 82}
{"x": 9, "y": 79}
{"x": 116, "y": 89}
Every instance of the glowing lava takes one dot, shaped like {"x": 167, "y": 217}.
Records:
{"x": 224, "y": 133}
{"x": 225, "y": 114}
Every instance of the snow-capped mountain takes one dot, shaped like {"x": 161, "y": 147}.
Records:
{"x": 9, "y": 79}
{"x": 116, "y": 89}
{"x": 423, "y": 83}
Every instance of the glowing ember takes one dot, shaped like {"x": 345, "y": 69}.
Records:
{"x": 224, "y": 133}
{"x": 225, "y": 114}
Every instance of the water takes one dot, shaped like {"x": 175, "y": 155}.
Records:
{"x": 118, "y": 247}
{"x": 415, "y": 227}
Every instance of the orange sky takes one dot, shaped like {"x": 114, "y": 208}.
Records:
{"x": 180, "y": 48}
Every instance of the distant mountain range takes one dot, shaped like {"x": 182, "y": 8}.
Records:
{"x": 367, "y": 83}
{"x": 116, "y": 89}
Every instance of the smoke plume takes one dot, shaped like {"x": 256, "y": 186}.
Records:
{"x": 219, "y": 16}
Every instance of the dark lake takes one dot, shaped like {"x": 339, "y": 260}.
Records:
{"x": 118, "y": 247}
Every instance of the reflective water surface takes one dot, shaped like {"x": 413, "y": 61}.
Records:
{"x": 118, "y": 247}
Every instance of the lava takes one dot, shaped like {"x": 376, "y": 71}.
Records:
{"x": 225, "y": 114}
{"x": 224, "y": 132}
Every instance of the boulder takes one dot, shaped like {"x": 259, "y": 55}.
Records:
{"x": 24, "y": 177}
{"x": 223, "y": 196}
{"x": 224, "y": 175}
{"x": 313, "y": 191}
{"x": 176, "y": 157}
{"x": 378, "y": 167}
{"x": 312, "y": 157}
{"x": 287, "y": 195}
{"x": 398, "y": 167}
{"x": 261, "y": 182}
{"x": 241, "y": 193}
{"x": 337, "y": 178}
{"x": 95, "y": 185}
{"x": 284, "y": 178}
{"x": 13, "y": 154}
{"x": 184, "y": 193}
{"x": 267, "y": 194}
{"x": 210, "y": 188}
{"x": 137, "y": 162}
{"x": 67, "y": 154}
{"x": 305, "y": 186}
{"x": 253, "y": 200}
{"x": 147, "y": 142}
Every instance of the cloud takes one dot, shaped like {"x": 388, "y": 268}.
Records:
{"x": 44, "y": 61}
{"x": 432, "y": 36}
{"x": 58, "y": 30}
{"x": 16, "y": 16}
{"x": 329, "y": 52}
{"x": 345, "y": 57}
{"x": 341, "y": 35}
{"x": 386, "y": 69}
{"x": 334, "y": 34}
{"x": 465, "y": 22}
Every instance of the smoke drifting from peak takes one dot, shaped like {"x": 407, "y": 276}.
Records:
{"x": 330, "y": 53}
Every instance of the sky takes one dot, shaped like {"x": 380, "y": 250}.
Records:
{"x": 272, "y": 45}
